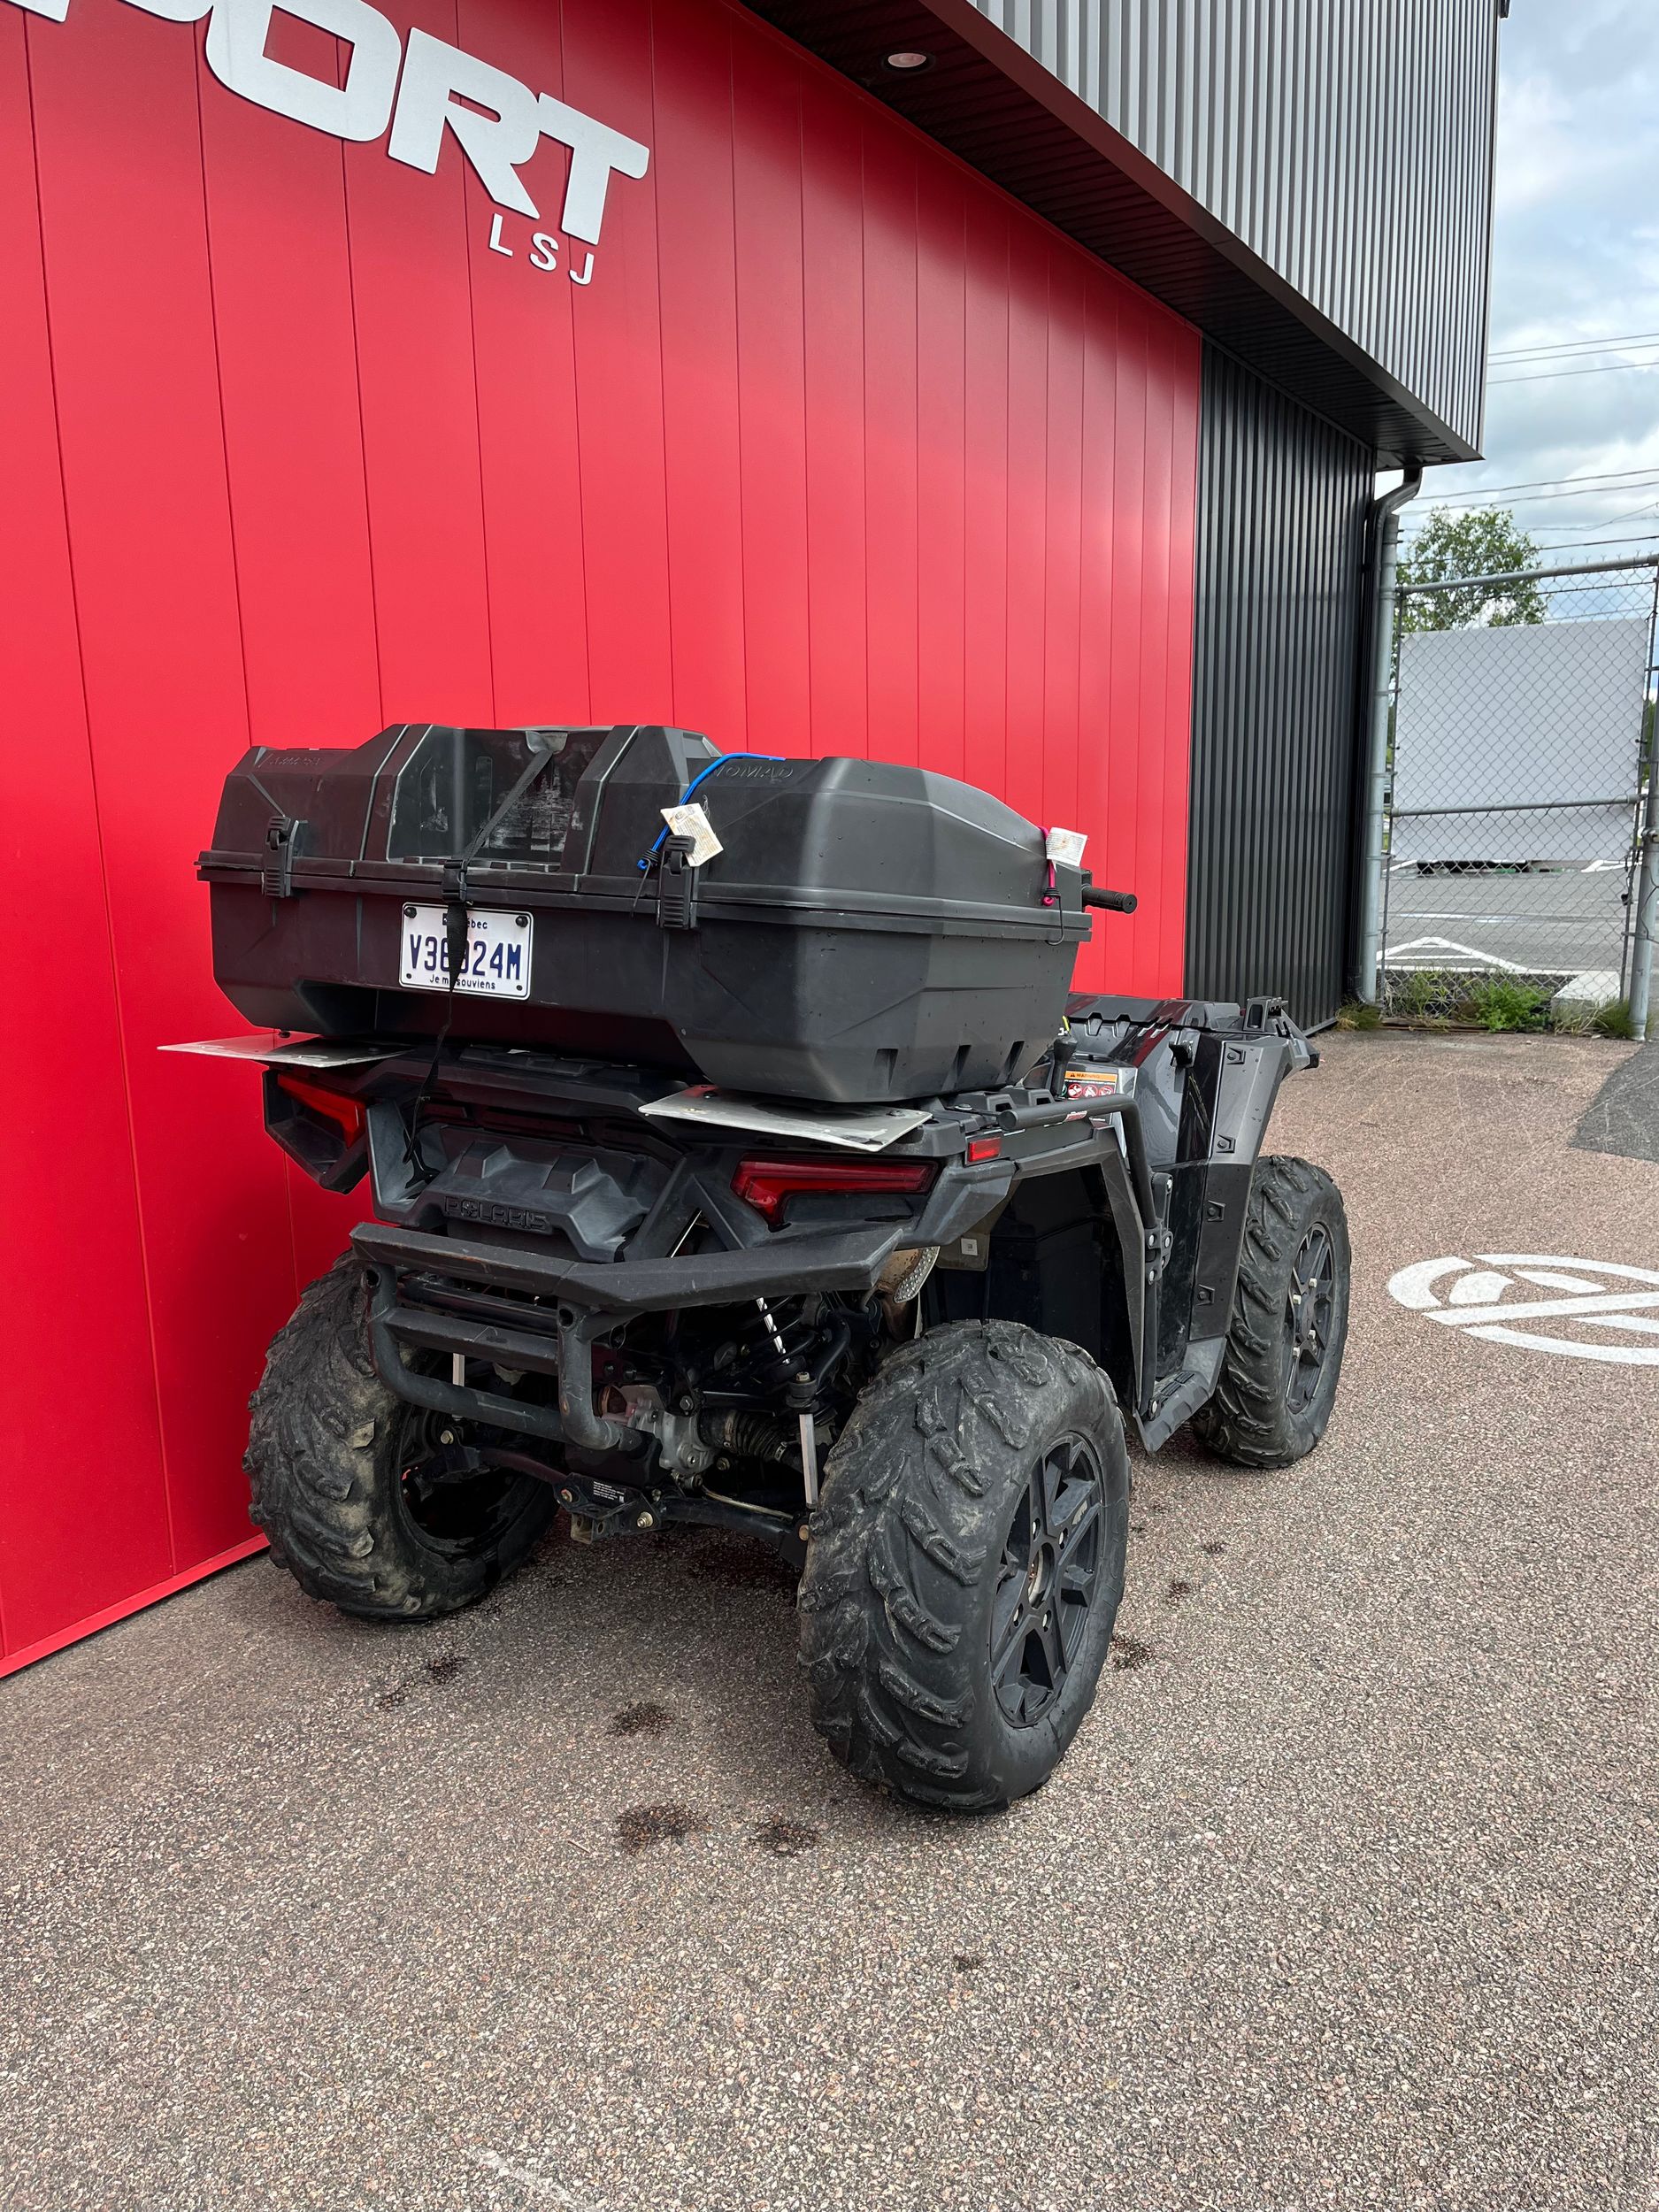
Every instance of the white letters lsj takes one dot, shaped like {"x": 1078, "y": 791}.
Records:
{"x": 435, "y": 78}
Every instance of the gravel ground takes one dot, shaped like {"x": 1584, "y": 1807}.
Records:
{"x": 1345, "y": 1897}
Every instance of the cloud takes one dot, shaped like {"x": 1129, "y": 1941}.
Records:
{"x": 1576, "y": 255}
{"x": 1538, "y": 157}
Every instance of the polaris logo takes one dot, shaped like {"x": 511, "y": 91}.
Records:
{"x": 419, "y": 91}
{"x": 494, "y": 1215}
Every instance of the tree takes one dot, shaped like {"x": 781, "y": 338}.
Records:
{"x": 1483, "y": 544}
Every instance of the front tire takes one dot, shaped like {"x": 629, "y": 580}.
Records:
{"x": 1289, "y": 1326}
{"x": 965, "y": 1565}
{"x": 346, "y": 1477}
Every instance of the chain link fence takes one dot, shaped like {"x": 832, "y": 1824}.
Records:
{"x": 1519, "y": 790}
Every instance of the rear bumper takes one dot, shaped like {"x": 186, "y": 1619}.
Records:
{"x": 434, "y": 1293}
{"x": 848, "y": 1260}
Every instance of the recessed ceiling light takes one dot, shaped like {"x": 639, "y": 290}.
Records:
{"x": 907, "y": 61}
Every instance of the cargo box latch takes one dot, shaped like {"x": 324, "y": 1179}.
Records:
{"x": 282, "y": 843}
{"x": 677, "y": 885}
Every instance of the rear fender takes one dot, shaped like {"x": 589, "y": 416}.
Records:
{"x": 1065, "y": 1255}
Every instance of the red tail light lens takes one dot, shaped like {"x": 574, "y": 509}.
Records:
{"x": 767, "y": 1184}
{"x": 345, "y": 1113}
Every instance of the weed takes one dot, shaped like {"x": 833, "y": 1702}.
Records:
{"x": 1499, "y": 1003}
{"x": 1613, "y": 1019}
{"x": 1421, "y": 995}
{"x": 1358, "y": 1015}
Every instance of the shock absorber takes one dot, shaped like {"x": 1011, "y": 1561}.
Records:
{"x": 770, "y": 1321}
{"x": 788, "y": 1340}
{"x": 803, "y": 1380}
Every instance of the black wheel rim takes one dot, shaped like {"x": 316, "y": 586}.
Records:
{"x": 1046, "y": 1580}
{"x": 452, "y": 1503}
{"x": 1308, "y": 1308}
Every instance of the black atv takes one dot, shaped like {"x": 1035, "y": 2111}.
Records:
{"x": 886, "y": 1307}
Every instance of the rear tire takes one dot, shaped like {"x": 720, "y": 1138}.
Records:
{"x": 340, "y": 1474}
{"x": 965, "y": 1565}
{"x": 1284, "y": 1355}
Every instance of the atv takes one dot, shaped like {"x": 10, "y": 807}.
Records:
{"x": 898, "y": 1335}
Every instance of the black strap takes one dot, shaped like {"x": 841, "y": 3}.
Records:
{"x": 455, "y": 933}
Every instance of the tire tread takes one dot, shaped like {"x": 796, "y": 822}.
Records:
{"x": 905, "y": 1530}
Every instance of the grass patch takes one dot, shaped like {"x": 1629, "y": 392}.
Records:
{"x": 1613, "y": 1020}
{"x": 1423, "y": 995}
{"x": 1443, "y": 998}
{"x": 1498, "y": 1003}
{"x": 1358, "y": 1015}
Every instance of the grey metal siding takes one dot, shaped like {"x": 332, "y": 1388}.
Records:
{"x": 1348, "y": 143}
{"x": 1282, "y": 505}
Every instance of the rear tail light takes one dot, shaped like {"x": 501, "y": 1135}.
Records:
{"x": 345, "y": 1113}
{"x": 767, "y": 1184}
{"x": 324, "y": 1130}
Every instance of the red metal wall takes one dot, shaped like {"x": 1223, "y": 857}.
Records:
{"x": 839, "y": 451}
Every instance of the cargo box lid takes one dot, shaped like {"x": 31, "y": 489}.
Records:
{"x": 540, "y": 816}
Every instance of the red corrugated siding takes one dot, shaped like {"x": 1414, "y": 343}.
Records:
{"x": 840, "y": 451}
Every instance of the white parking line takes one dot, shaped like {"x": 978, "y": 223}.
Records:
{"x": 1445, "y": 944}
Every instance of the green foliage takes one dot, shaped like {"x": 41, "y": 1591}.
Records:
{"x": 1358, "y": 1015}
{"x": 1613, "y": 1019}
{"x": 1438, "y": 998}
{"x": 1498, "y": 1003}
{"x": 1423, "y": 994}
{"x": 1488, "y": 543}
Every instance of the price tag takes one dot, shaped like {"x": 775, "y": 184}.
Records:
{"x": 692, "y": 822}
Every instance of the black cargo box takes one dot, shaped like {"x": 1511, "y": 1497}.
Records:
{"x": 866, "y": 932}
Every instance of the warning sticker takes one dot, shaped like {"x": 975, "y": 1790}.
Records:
{"x": 1095, "y": 1082}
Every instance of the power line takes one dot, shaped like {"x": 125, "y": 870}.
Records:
{"x": 1571, "y": 346}
{"x": 1532, "y": 499}
{"x": 1582, "y": 545}
{"x": 1551, "y": 376}
{"x": 1647, "y": 508}
{"x": 1612, "y": 478}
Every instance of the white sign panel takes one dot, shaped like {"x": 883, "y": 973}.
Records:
{"x": 1517, "y": 716}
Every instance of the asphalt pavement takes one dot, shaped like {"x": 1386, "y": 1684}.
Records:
{"x": 1346, "y": 1896}
{"x": 1565, "y": 920}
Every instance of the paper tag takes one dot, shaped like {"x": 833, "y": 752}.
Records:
{"x": 1065, "y": 846}
{"x": 692, "y": 822}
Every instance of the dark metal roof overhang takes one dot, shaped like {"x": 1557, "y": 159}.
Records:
{"x": 1007, "y": 117}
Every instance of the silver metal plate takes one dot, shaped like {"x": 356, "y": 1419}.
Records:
{"x": 851, "y": 1128}
{"x": 269, "y": 1050}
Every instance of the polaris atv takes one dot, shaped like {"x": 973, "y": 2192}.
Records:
{"x": 894, "y": 1331}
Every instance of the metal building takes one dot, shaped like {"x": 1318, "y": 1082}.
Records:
{"x": 995, "y": 387}
{"x": 1309, "y": 184}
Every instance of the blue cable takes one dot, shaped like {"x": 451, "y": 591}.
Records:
{"x": 703, "y": 773}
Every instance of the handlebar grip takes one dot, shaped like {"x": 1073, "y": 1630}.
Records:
{"x": 1114, "y": 902}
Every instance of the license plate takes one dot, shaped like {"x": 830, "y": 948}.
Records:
{"x": 497, "y": 953}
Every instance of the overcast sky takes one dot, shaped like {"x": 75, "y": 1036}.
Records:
{"x": 1576, "y": 256}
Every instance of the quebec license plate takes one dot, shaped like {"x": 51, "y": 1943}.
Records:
{"x": 497, "y": 953}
